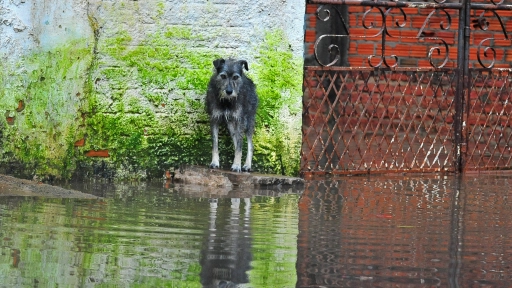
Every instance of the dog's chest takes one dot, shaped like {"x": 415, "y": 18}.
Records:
{"x": 228, "y": 114}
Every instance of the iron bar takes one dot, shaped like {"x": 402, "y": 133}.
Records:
{"x": 458, "y": 124}
{"x": 432, "y": 5}
{"x": 388, "y": 4}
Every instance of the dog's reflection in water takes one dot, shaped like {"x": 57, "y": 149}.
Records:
{"x": 226, "y": 255}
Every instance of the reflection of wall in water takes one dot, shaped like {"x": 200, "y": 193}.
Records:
{"x": 226, "y": 256}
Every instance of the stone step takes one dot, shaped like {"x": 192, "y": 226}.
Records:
{"x": 190, "y": 174}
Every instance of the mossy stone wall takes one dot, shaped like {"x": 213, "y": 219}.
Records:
{"x": 116, "y": 88}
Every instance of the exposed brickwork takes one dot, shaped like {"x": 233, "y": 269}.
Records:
{"x": 403, "y": 41}
{"x": 80, "y": 143}
{"x": 97, "y": 153}
{"x": 359, "y": 120}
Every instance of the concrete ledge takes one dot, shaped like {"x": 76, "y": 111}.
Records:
{"x": 220, "y": 178}
{"x": 11, "y": 186}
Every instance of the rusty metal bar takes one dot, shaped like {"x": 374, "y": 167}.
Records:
{"x": 479, "y": 6}
{"x": 396, "y": 68}
{"x": 462, "y": 86}
{"x": 397, "y": 4}
{"x": 400, "y": 4}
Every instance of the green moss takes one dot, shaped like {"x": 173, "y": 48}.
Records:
{"x": 279, "y": 82}
{"x": 58, "y": 87}
{"x": 174, "y": 129}
{"x": 180, "y": 33}
{"x": 160, "y": 9}
{"x": 170, "y": 131}
{"x": 50, "y": 84}
{"x": 162, "y": 59}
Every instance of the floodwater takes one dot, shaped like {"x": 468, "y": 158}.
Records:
{"x": 425, "y": 231}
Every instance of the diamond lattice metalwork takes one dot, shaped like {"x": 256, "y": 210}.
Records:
{"x": 377, "y": 120}
{"x": 489, "y": 120}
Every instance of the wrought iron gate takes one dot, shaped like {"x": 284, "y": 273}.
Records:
{"x": 392, "y": 86}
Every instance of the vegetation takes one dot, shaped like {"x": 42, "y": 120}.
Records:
{"x": 143, "y": 102}
{"x": 174, "y": 129}
{"x": 43, "y": 94}
{"x": 279, "y": 88}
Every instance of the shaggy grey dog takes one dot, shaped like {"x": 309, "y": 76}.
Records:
{"x": 232, "y": 99}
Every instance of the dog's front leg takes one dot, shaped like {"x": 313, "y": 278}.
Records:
{"x": 250, "y": 150}
{"x": 236, "y": 135}
{"x": 215, "y": 150}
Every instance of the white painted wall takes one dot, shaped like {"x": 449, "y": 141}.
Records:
{"x": 43, "y": 24}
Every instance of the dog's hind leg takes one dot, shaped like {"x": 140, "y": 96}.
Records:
{"x": 236, "y": 135}
{"x": 215, "y": 149}
{"x": 250, "y": 150}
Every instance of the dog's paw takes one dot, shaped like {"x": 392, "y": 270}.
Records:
{"x": 246, "y": 168}
{"x": 236, "y": 168}
{"x": 214, "y": 166}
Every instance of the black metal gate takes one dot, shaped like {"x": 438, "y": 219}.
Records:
{"x": 393, "y": 86}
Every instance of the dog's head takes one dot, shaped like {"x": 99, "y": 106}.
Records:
{"x": 229, "y": 76}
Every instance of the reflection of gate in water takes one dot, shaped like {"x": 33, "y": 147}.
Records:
{"x": 401, "y": 231}
{"x": 407, "y": 87}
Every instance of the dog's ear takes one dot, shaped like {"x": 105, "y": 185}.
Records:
{"x": 244, "y": 64}
{"x": 218, "y": 63}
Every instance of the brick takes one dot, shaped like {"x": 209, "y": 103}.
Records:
{"x": 399, "y": 77}
{"x": 80, "y": 143}
{"x": 97, "y": 153}
{"x": 356, "y": 9}
{"x": 311, "y": 8}
{"x": 354, "y": 32}
{"x": 312, "y": 22}
{"x": 503, "y": 42}
{"x": 409, "y": 33}
{"x": 310, "y": 36}
{"x": 508, "y": 109}
{"x": 21, "y": 106}
{"x": 353, "y": 20}
{"x": 10, "y": 120}
{"x": 418, "y": 51}
{"x": 359, "y": 97}
{"x": 502, "y": 65}
{"x": 411, "y": 11}
{"x": 453, "y": 53}
{"x": 505, "y": 13}
{"x": 366, "y": 49}
{"x": 358, "y": 61}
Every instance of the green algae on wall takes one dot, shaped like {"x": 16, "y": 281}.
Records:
{"x": 142, "y": 100}
{"x": 148, "y": 102}
{"x": 146, "y": 107}
{"x": 42, "y": 95}
{"x": 149, "y": 107}
{"x": 278, "y": 75}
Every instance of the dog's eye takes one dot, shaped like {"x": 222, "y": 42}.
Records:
{"x": 235, "y": 77}
{"x": 223, "y": 76}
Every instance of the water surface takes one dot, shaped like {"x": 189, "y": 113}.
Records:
{"x": 425, "y": 231}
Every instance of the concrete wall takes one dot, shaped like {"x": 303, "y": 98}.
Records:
{"x": 116, "y": 88}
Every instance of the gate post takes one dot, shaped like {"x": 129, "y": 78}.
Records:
{"x": 463, "y": 86}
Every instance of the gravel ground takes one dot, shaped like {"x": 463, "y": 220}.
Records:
{"x": 11, "y": 186}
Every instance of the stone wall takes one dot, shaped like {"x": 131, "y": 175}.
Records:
{"x": 116, "y": 88}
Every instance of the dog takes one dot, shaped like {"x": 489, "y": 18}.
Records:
{"x": 231, "y": 99}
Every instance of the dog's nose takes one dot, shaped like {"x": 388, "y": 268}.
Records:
{"x": 229, "y": 91}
